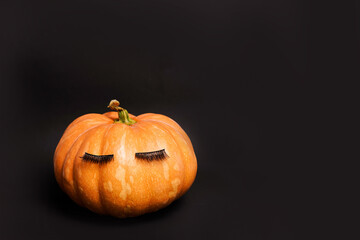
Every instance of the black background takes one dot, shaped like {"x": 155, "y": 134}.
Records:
{"x": 261, "y": 88}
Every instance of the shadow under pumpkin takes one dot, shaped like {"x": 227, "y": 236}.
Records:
{"x": 55, "y": 199}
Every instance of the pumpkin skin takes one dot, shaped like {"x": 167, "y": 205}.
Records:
{"x": 125, "y": 186}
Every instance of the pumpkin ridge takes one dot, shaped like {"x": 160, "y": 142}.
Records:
{"x": 112, "y": 199}
{"x": 165, "y": 128}
{"x": 83, "y": 120}
{"x": 76, "y": 185}
{"x": 176, "y": 126}
{"x": 68, "y": 151}
{"x": 68, "y": 139}
{"x": 182, "y": 132}
{"x": 100, "y": 180}
{"x": 151, "y": 199}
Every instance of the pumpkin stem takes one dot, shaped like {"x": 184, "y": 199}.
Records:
{"x": 123, "y": 113}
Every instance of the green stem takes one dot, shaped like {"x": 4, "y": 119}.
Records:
{"x": 123, "y": 113}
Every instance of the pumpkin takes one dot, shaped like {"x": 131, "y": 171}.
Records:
{"x": 124, "y": 165}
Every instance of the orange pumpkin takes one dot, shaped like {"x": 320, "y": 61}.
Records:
{"x": 122, "y": 165}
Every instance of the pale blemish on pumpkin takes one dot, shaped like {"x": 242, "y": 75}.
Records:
{"x": 166, "y": 170}
{"x": 131, "y": 179}
{"x": 121, "y": 152}
{"x": 125, "y": 187}
{"x": 108, "y": 186}
{"x": 81, "y": 189}
{"x": 127, "y": 209}
{"x": 172, "y": 194}
{"x": 176, "y": 167}
{"x": 80, "y": 172}
{"x": 175, "y": 185}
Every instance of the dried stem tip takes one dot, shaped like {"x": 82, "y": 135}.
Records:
{"x": 123, "y": 113}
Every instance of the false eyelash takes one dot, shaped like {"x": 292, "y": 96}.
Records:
{"x": 150, "y": 156}
{"x": 97, "y": 158}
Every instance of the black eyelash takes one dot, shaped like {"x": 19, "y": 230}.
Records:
{"x": 97, "y": 158}
{"x": 150, "y": 156}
